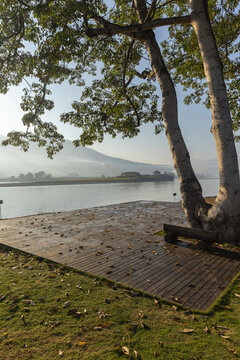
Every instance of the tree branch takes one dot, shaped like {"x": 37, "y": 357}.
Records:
{"x": 126, "y": 63}
{"x": 124, "y": 82}
{"x": 145, "y": 74}
{"x": 151, "y": 10}
{"x": 111, "y": 29}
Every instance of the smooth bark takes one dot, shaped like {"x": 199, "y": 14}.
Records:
{"x": 190, "y": 188}
{"x": 225, "y": 214}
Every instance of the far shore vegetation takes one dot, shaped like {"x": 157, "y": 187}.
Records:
{"x": 43, "y": 178}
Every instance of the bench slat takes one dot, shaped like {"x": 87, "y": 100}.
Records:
{"x": 191, "y": 233}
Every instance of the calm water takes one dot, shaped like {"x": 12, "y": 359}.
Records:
{"x": 27, "y": 200}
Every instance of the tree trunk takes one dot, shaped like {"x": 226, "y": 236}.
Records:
{"x": 191, "y": 191}
{"x": 225, "y": 214}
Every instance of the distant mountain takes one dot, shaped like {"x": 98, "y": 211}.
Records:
{"x": 82, "y": 161}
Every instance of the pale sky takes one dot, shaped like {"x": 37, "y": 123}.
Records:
{"x": 195, "y": 122}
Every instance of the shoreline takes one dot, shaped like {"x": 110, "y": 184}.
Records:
{"x": 89, "y": 181}
{"x": 80, "y": 182}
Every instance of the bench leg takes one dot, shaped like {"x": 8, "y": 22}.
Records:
{"x": 204, "y": 245}
{"x": 170, "y": 238}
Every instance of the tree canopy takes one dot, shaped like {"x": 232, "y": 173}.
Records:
{"x": 48, "y": 42}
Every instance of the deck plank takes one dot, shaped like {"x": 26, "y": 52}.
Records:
{"x": 118, "y": 242}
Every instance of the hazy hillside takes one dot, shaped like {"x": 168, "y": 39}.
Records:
{"x": 81, "y": 161}
{"x": 208, "y": 167}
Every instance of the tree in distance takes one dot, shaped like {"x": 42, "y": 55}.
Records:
{"x": 70, "y": 38}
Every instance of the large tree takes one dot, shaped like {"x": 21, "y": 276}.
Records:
{"x": 65, "y": 39}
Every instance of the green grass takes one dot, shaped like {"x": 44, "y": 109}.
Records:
{"x": 101, "y": 318}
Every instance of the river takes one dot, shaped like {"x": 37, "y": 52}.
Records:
{"x": 28, "y": 200}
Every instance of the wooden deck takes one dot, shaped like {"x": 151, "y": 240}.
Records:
{"x": 119, "y": 242}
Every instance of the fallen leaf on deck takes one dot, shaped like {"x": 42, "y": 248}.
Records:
{"x": 51, "y": 276}
{"x": 141, "y": 315}
{"x": 80, "y": 288}
{"x": 66, "y": 304}
{"x": 125, "y": 350}
{"x": 221, "y": 327}
{"x": 174, "y": 298}
{"x": 226, "y": 307}
{"x": 103, "y": 315}
{"x": 81, "y": 343}
{"x": 234, "y": 352}
{"x": 135, "y": 354}
{"x": 2, "y": 297}
{"x": 53, "y": 323}
{"x": 78, "y": 314}
{"x": 99, "y": 328}
{"x": 106, "y": 325}
{"x": 145, "y": 326}
{"x": 99, "y": 253}
{"x": 225, "y": 337}
{"x": 187, "y": 331}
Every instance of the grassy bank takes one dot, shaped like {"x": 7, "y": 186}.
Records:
{"x": 51, "y": 312}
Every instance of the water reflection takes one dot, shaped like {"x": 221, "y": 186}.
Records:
{"x": 20, "y": 201}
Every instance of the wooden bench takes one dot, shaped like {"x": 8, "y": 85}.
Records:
{"x": 1, "y": 202}
{"x": 207, "y": 237}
